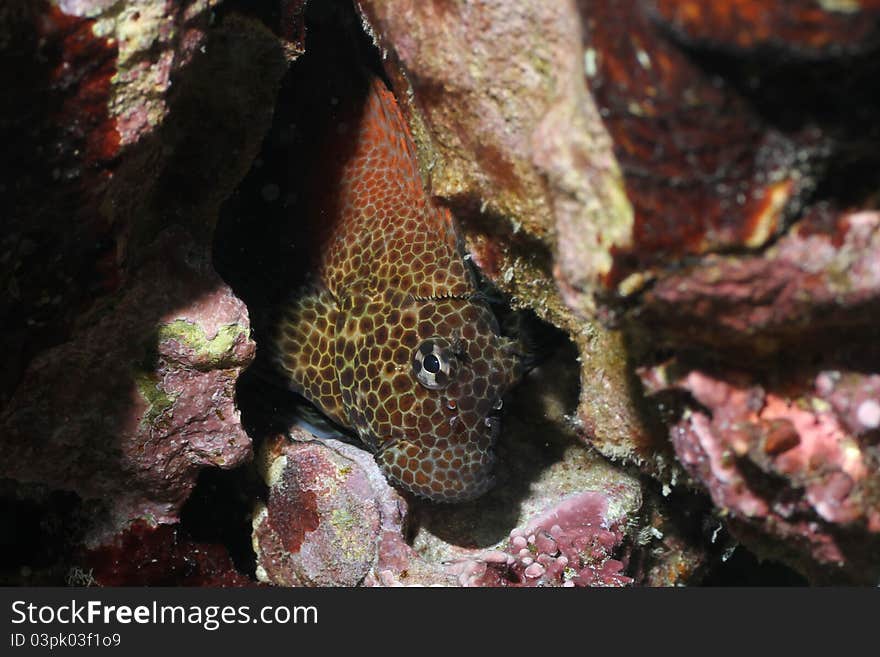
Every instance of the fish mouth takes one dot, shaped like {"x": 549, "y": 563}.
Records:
{"x": 454, "y": 475}
{"x": 453, "y": 469}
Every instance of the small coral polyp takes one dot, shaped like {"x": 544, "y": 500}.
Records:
{"x": 571, "y": 545}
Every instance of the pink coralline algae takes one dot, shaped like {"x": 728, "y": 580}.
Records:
{"x": 331, "y": 519}
{"x": 855, "y": 399}
{"x": 797, "y": 469}
{"x": 809, "y": 281}
{"x": 573, "y": 543}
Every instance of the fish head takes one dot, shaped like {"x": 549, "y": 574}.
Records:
{"x": 427, "y": 384}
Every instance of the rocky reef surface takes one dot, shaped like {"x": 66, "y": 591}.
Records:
{"x": 681, "y": 196}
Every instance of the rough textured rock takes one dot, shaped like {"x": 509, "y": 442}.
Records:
{"x": 809, "y": 283}
{"x": 814, "y": 28}
{"x": 139, "y": 416}
{"x": 328, "y": 516}
{"x": 155, "y": 555}
{"x": 130, "y": 123}
{"x": 669, "y": 556}
{"x": 703, "y": 170}
{"x": 800, "y": 468}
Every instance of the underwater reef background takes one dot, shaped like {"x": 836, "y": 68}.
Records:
{"x": 677, "y": 202}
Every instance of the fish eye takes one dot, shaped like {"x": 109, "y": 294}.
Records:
{"x": 433, "y": 364}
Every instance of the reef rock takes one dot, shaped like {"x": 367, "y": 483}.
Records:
{"x": 330, "y": 517}
{"x": 147, "y": 398}
{"x": 129, "y": 122}
{"x": 799, "y": 471}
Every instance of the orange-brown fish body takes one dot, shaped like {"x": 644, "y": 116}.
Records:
{"x": 392, "y": 340}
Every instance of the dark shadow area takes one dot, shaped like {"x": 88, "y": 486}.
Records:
{"x": 838, "y": 95}
{"x": 51, "y": 169}
{"x": 219, "y": 512}
{"x": 687, "y": 520}
{"x": 41, "y": 530}
{"x": 743, "y": 568}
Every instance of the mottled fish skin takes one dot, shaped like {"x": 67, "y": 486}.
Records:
{"x": 392, "y": 340}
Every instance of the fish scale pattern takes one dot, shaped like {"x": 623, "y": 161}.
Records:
{"x": 391, "y": 339}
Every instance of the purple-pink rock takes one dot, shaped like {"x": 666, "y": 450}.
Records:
{"x": 141, "y": 398}
{"x": 331, "y": 519}
{"x": 822, "y": 275}
{"x": 787, "y": 465}
{"x": 573, "y": 543}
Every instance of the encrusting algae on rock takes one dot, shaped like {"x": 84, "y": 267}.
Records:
{"x": 391, "y": 338}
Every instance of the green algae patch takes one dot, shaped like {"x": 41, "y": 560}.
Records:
{"x": 342, "y": 520}
{"x": 213, "y": 353}
{"x": 159, "y": 402}
{"x": 349, "y": 536}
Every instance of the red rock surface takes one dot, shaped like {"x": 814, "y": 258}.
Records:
{"x": 815, "y": 28}
{"x": 145, "y": 555}
{"x": 331, "y": 519}
{"x": 703, "y": 170}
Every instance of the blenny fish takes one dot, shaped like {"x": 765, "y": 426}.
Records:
{"x": 391, "y": 338}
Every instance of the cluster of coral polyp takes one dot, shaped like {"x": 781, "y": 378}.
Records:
{"x": 571, "y": 544}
